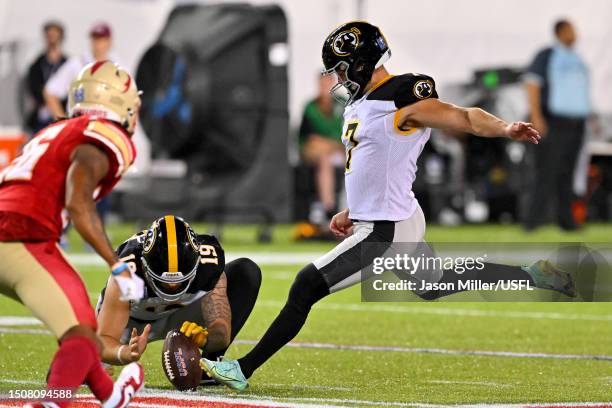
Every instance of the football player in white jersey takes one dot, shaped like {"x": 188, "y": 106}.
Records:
{"x": 188, "y": 286}
{"x": 387, "y": 121}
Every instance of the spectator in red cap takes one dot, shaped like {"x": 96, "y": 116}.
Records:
{"x": 56, "y": 89}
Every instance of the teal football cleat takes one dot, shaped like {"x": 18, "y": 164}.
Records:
{"x": 227, "y": 372}
{"x": 548, "y": 276}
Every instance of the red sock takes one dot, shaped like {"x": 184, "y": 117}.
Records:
{"x": 77, "y": 361}
{"x": 100, "y": 383}
{"x": 70, "y": 365}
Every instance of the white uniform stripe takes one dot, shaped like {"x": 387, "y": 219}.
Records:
{"x": 361, "y": 231}
{"x": 347, "y": 282}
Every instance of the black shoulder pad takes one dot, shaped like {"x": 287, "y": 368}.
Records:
{"x": 131, "y": 245}
{"x": 130, "y": 252}
{"x": 405, "y": 90}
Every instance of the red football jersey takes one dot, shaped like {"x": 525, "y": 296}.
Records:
{"x": 34, "y": 184}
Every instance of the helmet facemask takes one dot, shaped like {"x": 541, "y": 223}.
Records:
{"x": 352, "y": 80}
{"x": 345, "y": 89}
{"x": 157, "y": 280}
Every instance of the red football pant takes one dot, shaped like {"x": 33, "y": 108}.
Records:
{"x": 38, "y": 275}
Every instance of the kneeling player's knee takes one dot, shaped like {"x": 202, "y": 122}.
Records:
{"x": 245, "y": 271}
{"x": 251, "y": 271}
{"x": 308, "y": 288}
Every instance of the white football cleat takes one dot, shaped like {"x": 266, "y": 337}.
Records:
{"x": 129, "y": 382}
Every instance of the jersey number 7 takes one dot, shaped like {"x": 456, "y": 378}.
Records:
{"x": 351, "y": 129}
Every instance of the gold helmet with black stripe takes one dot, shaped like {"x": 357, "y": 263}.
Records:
{"x": 170, "y": 257}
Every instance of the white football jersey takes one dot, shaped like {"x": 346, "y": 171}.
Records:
{"x": 381, "y": 159}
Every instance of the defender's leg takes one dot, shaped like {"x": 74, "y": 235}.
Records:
{"x": 39, "y": 275}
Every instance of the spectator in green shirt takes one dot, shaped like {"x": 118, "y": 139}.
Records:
{"x": 320, "y": 141}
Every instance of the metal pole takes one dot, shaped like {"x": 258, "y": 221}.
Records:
{"x": 360, "y": 9}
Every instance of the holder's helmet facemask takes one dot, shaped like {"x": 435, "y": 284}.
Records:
{"x": 170, "y": 257}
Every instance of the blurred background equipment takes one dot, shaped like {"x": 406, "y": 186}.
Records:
{"x": 215, "y": 97}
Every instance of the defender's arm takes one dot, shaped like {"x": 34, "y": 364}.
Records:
{"x": 89, "y": 166}
{"x": 436, "y": 114}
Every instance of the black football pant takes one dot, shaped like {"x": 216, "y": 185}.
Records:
{"x": 553, "y": 179}
{"x": 341, "y": 268}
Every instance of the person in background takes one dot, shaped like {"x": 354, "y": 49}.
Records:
{"x": 40, "y": 71}
{"x": 320, "y": 139}
{"x": 56, "y": 89}
{"x": 557, "y": 83}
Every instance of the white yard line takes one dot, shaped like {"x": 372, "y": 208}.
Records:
{"x": 9, "y": 330}
{"x": 310, "y": 387}
{"x": 392, "y": 349}
{"x": 19, "y": 321}
{"x": 480, "y": 383}
{"x": 423, "y": 350}
{"x": 262, "y": 258}
{"x": 435, "y": 309}
{"x": 517, "y": 256}
{"x": 20, "y": 382}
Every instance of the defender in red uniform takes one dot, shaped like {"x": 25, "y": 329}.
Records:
{"x": 62, "y": 171}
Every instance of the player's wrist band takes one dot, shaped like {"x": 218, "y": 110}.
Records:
{"x": 118, "y": 267}
{"x": 119, "y": 350}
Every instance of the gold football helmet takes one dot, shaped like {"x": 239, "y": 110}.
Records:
{"x": 105, "y": 89}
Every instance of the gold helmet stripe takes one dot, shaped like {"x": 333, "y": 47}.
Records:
{"x": 172, "y": 245}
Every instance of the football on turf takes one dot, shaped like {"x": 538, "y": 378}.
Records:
{"x": 180, "y": 361}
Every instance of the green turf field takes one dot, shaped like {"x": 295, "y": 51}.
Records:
{"x": 424, "y": 366}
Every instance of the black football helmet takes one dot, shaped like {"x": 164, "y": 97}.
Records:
{"x": 353, "y": 51}
{"x": 170, "y": 257}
